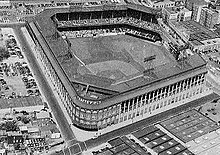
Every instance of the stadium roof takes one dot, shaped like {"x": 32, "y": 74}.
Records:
{"x": 133, "y": 86}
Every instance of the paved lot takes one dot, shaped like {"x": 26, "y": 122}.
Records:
{"x": 13, "y": 90}
{"x": 21, "y": 102}
{"x": 54, "y": 105}
{"x": 15, "y": 75}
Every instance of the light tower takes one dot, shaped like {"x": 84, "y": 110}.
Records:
{"x": 181, "y": 57}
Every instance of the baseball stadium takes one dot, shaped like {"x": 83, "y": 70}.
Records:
{"x": 109, "y": 66}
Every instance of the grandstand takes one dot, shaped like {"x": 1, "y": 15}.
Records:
{"x": 93, "y": 31}
{"x": 87, "y": 19}
{"x": 102, "y": 69}
{"x": 95, "y": 57}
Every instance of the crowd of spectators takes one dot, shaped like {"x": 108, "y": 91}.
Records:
{"x": 93, "y": 24}
{"x": 122, "y": 20}
{"x": 62, "y": 4}
{"x": 91, "y": 33}
{"x": 30, "y": 9}
{"x": 110, "y": 31}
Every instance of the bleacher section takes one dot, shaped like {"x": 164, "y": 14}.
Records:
{"x": 104, "y": 30}
{"x": 106, "y": 14}
{"x": 88, "y": 24}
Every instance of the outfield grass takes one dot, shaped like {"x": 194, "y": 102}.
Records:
{"x": 118, "y": 57}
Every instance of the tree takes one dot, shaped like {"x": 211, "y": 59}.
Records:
{"x": 4, "y": 54}
{"x": 25, "y": 120}
{"x": 11, "y": 126}
{"x": 10, "y": 43}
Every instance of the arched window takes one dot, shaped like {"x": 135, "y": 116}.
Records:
{"x": 77, "y": 111}
{"x": 151, "y": 96}
{"x": 126, "y": 104}
{"x": 94, "y": 115}
{"x": 88, "y": 123}
{"x": 130, "y": 104}
{"x": 81, "y": 121}
{"x": 94, "y": 123}
{"x": 122, "y": 107}
{"x": 105, "y": 113}
{"x": 114, "y": 110}
{"x": 143, "y": 99}
{"x": 82, "y": 115}
{"x": 88, "y": 115}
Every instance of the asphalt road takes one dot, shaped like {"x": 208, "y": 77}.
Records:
{"x": 66, "y": 131}
{"x": 63, "y": 124}
{"x": 146, "y": 122}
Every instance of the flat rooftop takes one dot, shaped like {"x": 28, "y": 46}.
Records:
{"x": 198, "y": 34}
{"x": 189, "y": 125}
{"x": 173, "y": 10}
{"x": 197, "y": 31}
{"x": 197, "y": 2}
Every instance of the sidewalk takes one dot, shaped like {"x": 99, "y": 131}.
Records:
{"x": 80, "y": 135}
{"x": 148, "y": 121}
{"x": 45, "y": 87}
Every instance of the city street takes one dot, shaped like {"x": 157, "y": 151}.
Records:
{"x": 66, "y": 131}
{"x": 148, "y": 121}
{"x": 64, "y": 125}
{"x": 110, "y": 77}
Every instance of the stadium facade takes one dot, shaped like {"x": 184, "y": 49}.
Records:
{"x": 173, "y": 87}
